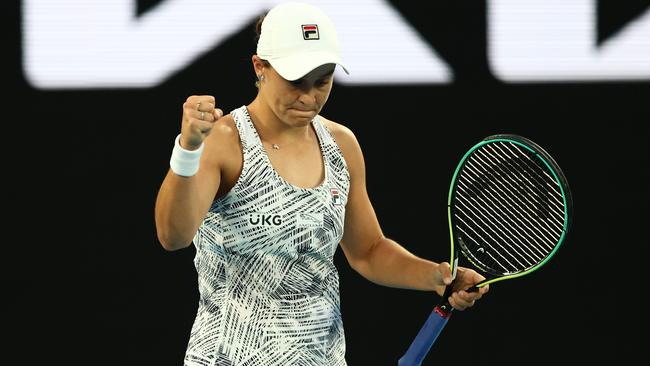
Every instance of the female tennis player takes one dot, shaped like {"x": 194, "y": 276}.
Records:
{"x": 266, "y": 193}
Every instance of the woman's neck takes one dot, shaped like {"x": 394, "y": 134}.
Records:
{"x": 272, "y": 129}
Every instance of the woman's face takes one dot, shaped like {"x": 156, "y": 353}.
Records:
{"x": 297, "y": 102}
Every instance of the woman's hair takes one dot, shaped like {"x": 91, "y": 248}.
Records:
{"x": 258, "y": 28}
{"x": 258, "y": 33}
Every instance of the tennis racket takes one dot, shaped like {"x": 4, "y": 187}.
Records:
{"x": 509, "y": 210}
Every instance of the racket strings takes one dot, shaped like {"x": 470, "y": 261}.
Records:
{"x": 494, "y": 254}
{"x": 502, "y": 228}
{"x": 541, "y": 179}
{"x": 508, "y": 207}
{"x": 536, "y": 204}
{"x": 504, "y": 193}
{"x": 511, "y": 203}
{"x": 481, "y": 226}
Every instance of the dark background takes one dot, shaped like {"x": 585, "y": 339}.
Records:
{"x": 87, "y": 282}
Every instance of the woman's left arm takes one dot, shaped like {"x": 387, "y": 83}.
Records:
{"x": 380, "y": 259}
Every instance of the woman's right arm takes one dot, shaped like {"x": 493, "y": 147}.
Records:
{"x": 183, "y": 201}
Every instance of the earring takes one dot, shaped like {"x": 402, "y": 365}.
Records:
{"x": 261, "y": 77}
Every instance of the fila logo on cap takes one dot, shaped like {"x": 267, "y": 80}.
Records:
{"x": 310, "y": 31}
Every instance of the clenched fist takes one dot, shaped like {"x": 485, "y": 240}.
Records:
{"x": 199, "y": 116}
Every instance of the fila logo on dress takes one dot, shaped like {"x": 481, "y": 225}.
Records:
{"x": 336, "y": 196}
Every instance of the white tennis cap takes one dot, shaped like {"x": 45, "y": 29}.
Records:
{"x": 296, "y": 38}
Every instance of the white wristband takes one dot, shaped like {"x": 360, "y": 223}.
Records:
{"x": 185, "y": 162}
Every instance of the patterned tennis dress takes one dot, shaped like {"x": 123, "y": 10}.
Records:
{"x": 269, "y": 290}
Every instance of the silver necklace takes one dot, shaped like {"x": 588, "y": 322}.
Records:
{"x": 275, "y": 146}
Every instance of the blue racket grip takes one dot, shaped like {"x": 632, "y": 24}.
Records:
{"x": 426, "y": 337}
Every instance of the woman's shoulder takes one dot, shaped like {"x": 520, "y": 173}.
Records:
{"x": 224, "y": 134}
{"x": 342, "y": 134}
{"x": 225, "y": 128}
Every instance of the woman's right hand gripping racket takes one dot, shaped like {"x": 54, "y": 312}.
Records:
{"x": 509, "y": 210}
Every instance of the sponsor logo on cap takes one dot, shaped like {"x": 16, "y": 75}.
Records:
{"x": 310, "y": 31}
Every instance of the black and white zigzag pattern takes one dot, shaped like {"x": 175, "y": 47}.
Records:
{"x": 269, "y": 291}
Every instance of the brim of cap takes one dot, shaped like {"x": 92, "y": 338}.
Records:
{"x": 294, "y": 67}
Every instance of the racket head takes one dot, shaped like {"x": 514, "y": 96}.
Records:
{"x": 509, "y": 207}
